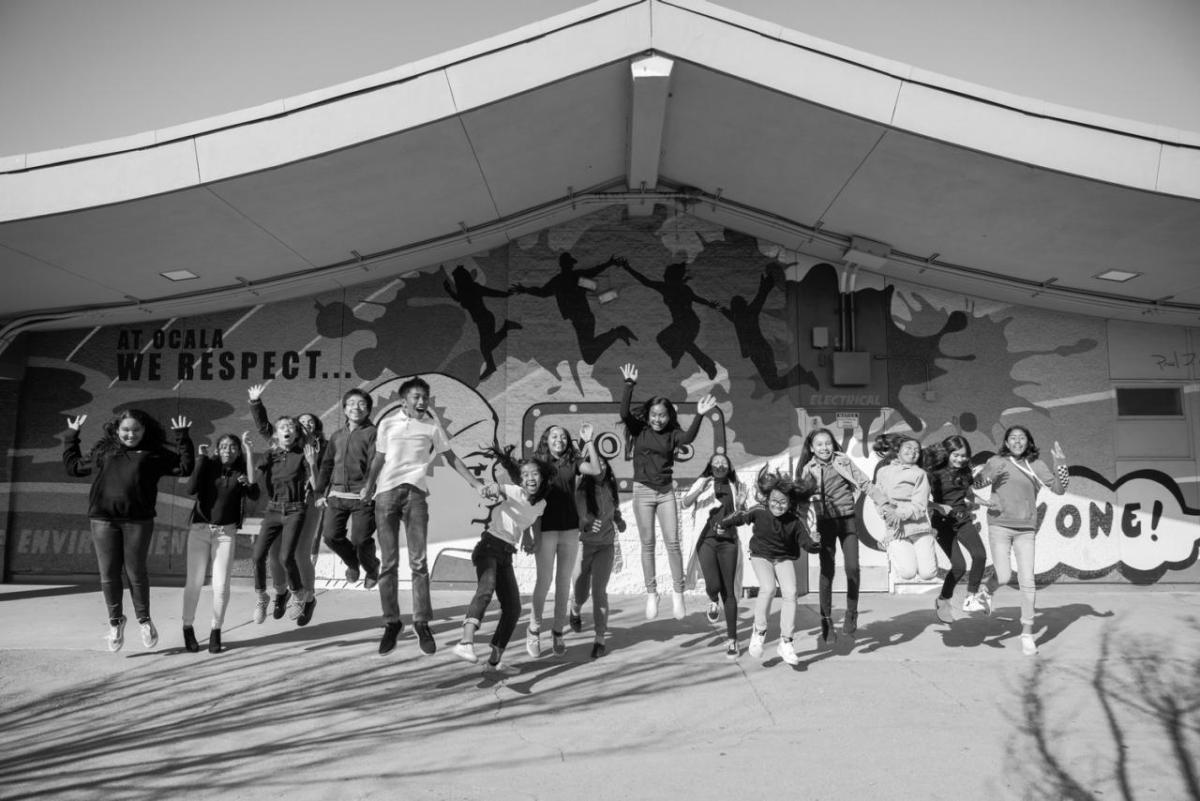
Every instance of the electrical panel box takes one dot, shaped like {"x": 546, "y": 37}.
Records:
{"x": 820, "y": 337}
{"x": 851, "y": 368}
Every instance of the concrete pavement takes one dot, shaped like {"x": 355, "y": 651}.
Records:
{"x": 909, "y": 708}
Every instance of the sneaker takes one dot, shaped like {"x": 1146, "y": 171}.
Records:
{"x": 985, "y": 598}
{"x": 944, "y": 612}
{"x": 352, "y": 575}
{"x": 599, "y": 649}
{"x": 500, "y": 670}
{"x": 651, "y": 605}
{"x": 560, "y": 644}
{"x": 756, "y": 643}
{"x": 576, "y": 620}
{"x": 714, "y": 612}
{"x": 214, "y": 641}
{"x": 295, "y": 606}
{"x": 306, "y": 615}
{"x": 371, "y": 580}
{"x": 972, "y": 603}
{"x": 149, "y": 633}
{"x": 850, "y": 622}
{"x": 533, "y": 643}
{"x": 425, "y": 637}
{"x": 391, "y": 631}
{"x": 731, "y": 649}
{"x": 466, "y": 652}
{"x": 787, "y": 652}
{"x": 116, "y": 635}
{"x": 828, "y": 633}
{"x": 281, "y": 603}
{"x": 260, "y": 607}
{"x": 677, "y": 607}
{"x": 1028, "y": 646}
{"x": 189, "y": 640}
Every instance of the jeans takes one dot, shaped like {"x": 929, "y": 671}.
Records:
{"x": 282, "y": 521}
{"x": 595, "y": 568}
{"x": 121, "y": 550}
{"x": 768, "y": 572}
{"x": 208, "y": 543}
{"x": 549, "y": 547}
{"x": 404, "y": 504}
{"x": 718, "y": 562}
{"x": 1020, "y": 544}
{"x": 832, "y": 531}
{"x": 306, "y": 548}
{"x": 914, "y": 558}
{"x": 955, "y": 538}
{"x": 342, "y": 514}
{"x": 649, "y": 504}
{"x": 493, "y": 562}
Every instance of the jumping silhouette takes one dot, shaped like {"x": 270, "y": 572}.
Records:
{"x": 469, "y": 294}
{"x": 573, "y": 304}
{"x": 679, "y": 337}
{"x": 755, "y": 347}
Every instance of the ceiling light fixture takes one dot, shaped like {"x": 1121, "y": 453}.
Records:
{"x": 179, "y": 275}
{"x": 1118, "y": 276}
{"x": 867, "y": 253}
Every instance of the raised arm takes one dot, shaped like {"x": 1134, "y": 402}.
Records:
{"x": 590, "y": 466}
{"x": 764, "y": 289}
{"x": 657, "y": 286}
{"x": 249, "y": 485}
{"x": 193, "y": 482}
{"x": 73, "y": 459}
{"x": 694, "y": 491}
{"x": 703, "y": 407}
{"x": 630, "y": 373}
{"x": 180, "y": 461}
{"x": 258, "y": 411}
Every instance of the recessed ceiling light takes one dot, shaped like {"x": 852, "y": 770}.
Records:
{"x": 179, "y": 275}
{"x": 1120, "y": 276}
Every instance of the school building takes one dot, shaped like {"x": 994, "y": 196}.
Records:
{"x": 816, "y": 235}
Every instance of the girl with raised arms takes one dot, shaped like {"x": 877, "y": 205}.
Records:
{"x": 656, "y": 435}
{"x": 128, "y": 461}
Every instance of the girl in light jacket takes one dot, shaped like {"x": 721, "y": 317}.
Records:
{"x": 1016, "y": 475}
{"x": 901, "y": 494}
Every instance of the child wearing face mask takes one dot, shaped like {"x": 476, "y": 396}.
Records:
{"x": 952, "y": 509}
{"x": 838, "y": 484}
{"x": 512, "y": 523}
{"x": 655, "y": 434}
{"x": 719, "y": 493}
{"x": 221, "y": 487}
{"x": 780, "y": 531}
{"x": 128, "y": 462}
{"x": 901, "y": 493}
{"x": 1016, "y": 474}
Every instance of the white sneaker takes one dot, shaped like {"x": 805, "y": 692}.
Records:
{"x": 787, "y": 652}
{"x": 756, "y": 643}
{"x": 149, "y": 634}
{"x": 116, "y": 636}
{"x": 533, "y": 644}
{"x": 972, "y": 603}
{"x": 651, "y": 605}
{"x": 677, "y": 607}
{"x": 985, "y": 598}
{"x": 260, "y": 607}
{"x": 1028, "y": 646}
{"x": 944, "y": 612}
{"x": 466, "y": 651}
{"x": 714, "y": 612}
{"x": 501, "y": 670}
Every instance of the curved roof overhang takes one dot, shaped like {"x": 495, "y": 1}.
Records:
{"x": 761, "y": 129}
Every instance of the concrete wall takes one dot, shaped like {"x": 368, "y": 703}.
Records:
{"x": 512, "y": 342}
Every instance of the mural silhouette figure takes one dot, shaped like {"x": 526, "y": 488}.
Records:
{"x": 573, "y": 304}
{"x": 678, "y": 338}
{"x": 754, "y": 345}
{"x": 469, "y": 293}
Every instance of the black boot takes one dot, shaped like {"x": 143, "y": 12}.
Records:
{"x": 214, "y": 641}
{"x": 828, "y": 633}
{"x": 189, "y": 639}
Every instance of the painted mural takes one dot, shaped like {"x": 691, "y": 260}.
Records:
{"x": 533, "y": 334}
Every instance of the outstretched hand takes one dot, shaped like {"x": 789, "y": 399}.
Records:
{"x": 585, "y": 433}
{"x": 629, "y": 372}
{"x": 76, "y": 423}
{"x": 256, "y": 391}
{"x": 706, "y": 404}
{"x": 1060, "y": 456}
{"x": 247, "y": 441}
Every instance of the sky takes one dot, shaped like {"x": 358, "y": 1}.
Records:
{"x": 77, "y": 71}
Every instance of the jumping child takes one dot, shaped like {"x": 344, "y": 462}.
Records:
{"x": 901, "y": 494}
{"x": 952, "y": 508}
{"x": 599, "y": 520}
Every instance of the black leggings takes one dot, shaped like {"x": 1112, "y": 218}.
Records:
{"x": 283, "y": 524}
{"x": 834, "y": 530}
{"x": 954, "y": 538}
{"x": 492, "y": 558}
{"x": 718, "y": 562}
